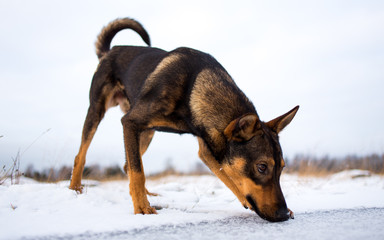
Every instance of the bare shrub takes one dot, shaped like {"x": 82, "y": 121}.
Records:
{"x": 13, "y": 172}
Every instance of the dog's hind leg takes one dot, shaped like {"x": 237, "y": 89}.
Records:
{"x": 103, "y": 97}
{"x": 94, "y": 116}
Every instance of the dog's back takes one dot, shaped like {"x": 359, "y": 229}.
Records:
{"x": 185, "y": 85}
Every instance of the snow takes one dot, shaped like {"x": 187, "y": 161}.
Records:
{"x": 37, "y": 210}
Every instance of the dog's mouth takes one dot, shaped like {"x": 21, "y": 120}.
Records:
{"x": 254, "y": 207}
{"x": 280, "y": 215}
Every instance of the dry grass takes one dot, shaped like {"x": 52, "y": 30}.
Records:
{"x": 301, "y": 165}
{"x": 307, "y": 165}
{"x": 111, "y": 173}
{"x": 198, "y": 170}
{"x": 94, "y": 172}
{"x": 13, "y": 172}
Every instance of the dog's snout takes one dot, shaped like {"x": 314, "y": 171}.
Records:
{"x": 282, "y": 214}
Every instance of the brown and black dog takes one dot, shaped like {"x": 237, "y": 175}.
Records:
{"x": 185, "y": 91}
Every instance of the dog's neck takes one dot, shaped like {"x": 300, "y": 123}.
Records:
{"x": 215, "y": 101}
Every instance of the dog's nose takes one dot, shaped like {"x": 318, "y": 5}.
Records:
{"x": 282, "y": 214}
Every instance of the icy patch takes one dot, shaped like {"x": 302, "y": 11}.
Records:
{"x": 335, "y": 224}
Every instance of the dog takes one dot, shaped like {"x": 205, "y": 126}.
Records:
{"x": 185, "y": 91}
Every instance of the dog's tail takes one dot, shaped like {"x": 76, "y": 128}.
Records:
{"x": 106, "y": 35}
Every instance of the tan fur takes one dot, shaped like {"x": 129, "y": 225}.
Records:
{"x": 78, "y": 168}
{"x": 207, "y": 100}
{"x": 206, "y": 156}
{"x": 139, "y": 193}
{"x": 164, "y": 123}
{"x": 243, "y": 128}
{"x": 228, "y": 131}
{"x": 202, "y": 108}
{"x": 264, "y": 196}
{"x": 115, "y": 96}
{"x": 145, "y": 140}
{"x": 164, "y": 64}
{"x": 137, "y": 188}
{"x": 164, "y": 98}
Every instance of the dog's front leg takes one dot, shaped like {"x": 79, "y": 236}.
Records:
{"x": 135, "y": 168}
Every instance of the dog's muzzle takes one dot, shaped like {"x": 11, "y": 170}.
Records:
{"x": 282, "y": 214}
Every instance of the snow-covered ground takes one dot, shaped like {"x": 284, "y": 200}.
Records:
{"x": 341, "y": 206}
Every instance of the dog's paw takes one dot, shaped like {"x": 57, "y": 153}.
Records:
{"x": 77, "y": 188}
{"x": 145, "y": 210}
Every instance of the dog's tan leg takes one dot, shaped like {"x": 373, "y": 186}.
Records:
{"x": 209, "y": 160}
{"x": 92, "y": 120}
{"x": 145, "y": 140}
{"x": 134, "y": 167}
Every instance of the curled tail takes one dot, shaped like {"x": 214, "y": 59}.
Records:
{"x": 106, "y": 35}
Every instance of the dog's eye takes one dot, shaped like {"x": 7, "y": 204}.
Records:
{"x": 261, "y": 168}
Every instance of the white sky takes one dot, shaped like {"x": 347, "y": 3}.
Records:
{"x": 326, "y": 56}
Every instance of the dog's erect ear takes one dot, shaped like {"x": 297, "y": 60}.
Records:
{"x": 279, "y": 123}
{"x": 243, "y": 128}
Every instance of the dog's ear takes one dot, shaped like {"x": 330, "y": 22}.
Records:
{"x": 279, "y": 123}
{"x": 243, "y": 128}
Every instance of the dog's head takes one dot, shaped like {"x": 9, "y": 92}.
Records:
{"x": 255, "y": 162}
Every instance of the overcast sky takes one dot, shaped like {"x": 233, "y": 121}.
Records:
{"x": 326, "y": 56}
